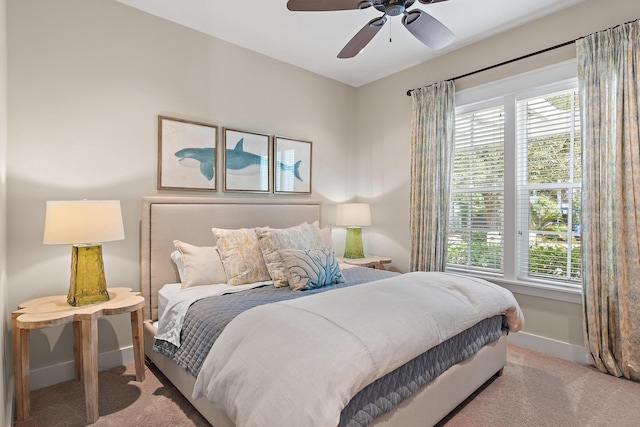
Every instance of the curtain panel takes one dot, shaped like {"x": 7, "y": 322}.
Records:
{"x": 432, "y": 137}
{"x": 608, "y": 67}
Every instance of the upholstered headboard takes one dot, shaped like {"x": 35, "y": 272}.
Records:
{"x": 190, "y": 219}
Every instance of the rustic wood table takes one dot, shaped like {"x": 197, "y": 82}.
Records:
{"x": 54, "y": 310}
{"x": 370, "y": 261}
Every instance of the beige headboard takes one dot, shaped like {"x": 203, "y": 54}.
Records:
{"x": 190, "y": 219}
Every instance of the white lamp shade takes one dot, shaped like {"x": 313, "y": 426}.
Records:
{"x": 354, "y": 215}
{"x": 83, "y": 221}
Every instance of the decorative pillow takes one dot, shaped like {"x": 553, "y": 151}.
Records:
{"x": 201, "y": 265}
{"x": 303, "y": 236}
{"x": 312, "y": 268}
{"x": 241, "y": 255}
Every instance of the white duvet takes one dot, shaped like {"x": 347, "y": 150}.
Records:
{"x": 299, "y": 362}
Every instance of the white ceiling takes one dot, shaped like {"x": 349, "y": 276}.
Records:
{"x": 311, "y": 40}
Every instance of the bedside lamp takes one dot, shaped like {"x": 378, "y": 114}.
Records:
{"x": 84, "y": 224}
{"x": 354, "y": 216}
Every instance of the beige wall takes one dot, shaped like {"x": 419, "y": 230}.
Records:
{"x": 87, "y": 79}
{"x": 5, "y": 336}
{"x": 383, "y": 144}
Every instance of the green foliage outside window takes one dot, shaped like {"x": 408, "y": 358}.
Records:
{"x": 480, "y": 255}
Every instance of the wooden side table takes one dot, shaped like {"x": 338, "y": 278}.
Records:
{"x": 370, "y": 261}
{"x": 51, "y": 311}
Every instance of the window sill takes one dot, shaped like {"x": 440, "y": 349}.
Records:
{"x": 536, "y": 289}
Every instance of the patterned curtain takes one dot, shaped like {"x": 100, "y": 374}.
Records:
{"x": 608, "y": 67}
{"x": 432, "y": 127}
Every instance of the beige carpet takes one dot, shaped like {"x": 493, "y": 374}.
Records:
{"x": 535, "y": 390}
{"x": 122, "y": 401}
{"x": 540, "y": 390}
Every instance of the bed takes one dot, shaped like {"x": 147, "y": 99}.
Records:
{"x": 190, "y": 219}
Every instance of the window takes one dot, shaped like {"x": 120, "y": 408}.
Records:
{"x": 477, "y": 195}
{"x": 549, "y": 171}
{"x": 515, "y": 201}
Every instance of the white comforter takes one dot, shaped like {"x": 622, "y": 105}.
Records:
{"x": 299, "y": 362}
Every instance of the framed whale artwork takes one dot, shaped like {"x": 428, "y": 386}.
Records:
{"x": 247, "y": 161}
{"x": 291, "y": 166}
{"x": 186, "y": 155}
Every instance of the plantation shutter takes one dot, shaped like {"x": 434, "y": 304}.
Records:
{"x": 476, "y": 221}
{"x": 548, "y": 186}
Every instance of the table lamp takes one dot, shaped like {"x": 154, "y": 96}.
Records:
{"x": 354, "y": 216}
{"x": 84, "y": 224}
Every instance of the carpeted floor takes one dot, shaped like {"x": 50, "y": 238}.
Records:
{"x": 122, "y": 401}
{"x": 535, "y": 390}
{"x": 540, "y": 390}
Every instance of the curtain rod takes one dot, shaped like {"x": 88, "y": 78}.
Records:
{"x": 509, "y": 61}
{"x": 528, "y": 55}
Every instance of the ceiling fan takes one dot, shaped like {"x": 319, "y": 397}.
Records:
{"x": 423, "y": 26}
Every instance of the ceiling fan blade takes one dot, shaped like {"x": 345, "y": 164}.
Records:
{"x": 362, "y": 38}
{"x": 325, "y": 5}
{"x": 427, "y": 29}
{"x": 430, "y": 1}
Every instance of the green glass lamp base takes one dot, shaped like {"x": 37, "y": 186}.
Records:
{"x": 353, "y": 244}
{"x": 88, "y": 284}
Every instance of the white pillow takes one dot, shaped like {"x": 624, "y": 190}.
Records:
{"x": 327, "y": 238}
{"x": 176, "y": 257}
{"x": 201, "y": 265}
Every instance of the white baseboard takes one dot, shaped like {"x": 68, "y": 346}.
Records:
{"x": 562, "y": 350}
{"x": 50, "y": 375}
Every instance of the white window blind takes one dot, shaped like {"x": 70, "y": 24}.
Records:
{"x": 548, "y": 187}
{"x": 476, "y": 223}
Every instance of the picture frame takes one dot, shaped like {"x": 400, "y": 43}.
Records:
{"x": 247, "y": 161}
{"x": 187, "y": 158}
{"x": 291, "y": 166}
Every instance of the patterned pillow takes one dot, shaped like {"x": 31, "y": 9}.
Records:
{"x": 303, "y": 236}
{"x": 241, "y": 255}
{"x": 201, "y": 265}
{"x": 312, "y": 268}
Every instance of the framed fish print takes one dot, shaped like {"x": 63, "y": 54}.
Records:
{"x": 292, "y": 166}
{"x": 186, "y": 155}
{"x": 247, "y": 161}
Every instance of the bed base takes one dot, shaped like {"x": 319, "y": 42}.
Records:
{"x": 424, "y": 408}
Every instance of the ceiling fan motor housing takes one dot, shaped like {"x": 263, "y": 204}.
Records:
{"x": 394, "y": 7}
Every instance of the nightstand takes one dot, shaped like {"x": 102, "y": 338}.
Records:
{"x": 370, "y": 261}
{"x": 51, "y": 311}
